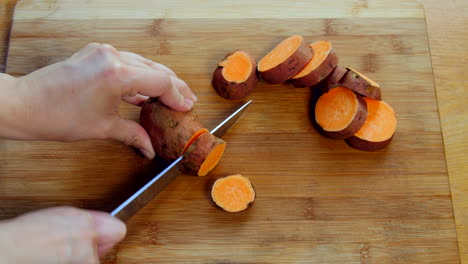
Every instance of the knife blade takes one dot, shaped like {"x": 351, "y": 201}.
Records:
{"x": 151, "y": 189}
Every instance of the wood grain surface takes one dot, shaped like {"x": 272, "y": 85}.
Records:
{"x": 318, "y": 200}
{"x": 448, "y": 37}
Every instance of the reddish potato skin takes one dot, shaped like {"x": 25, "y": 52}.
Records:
{"x": 198, "y": 152}
{"x": 355, "y": 125}
{"x": 333, "y": 80}
{"x": 233, "y": 90}
{"x": 290, "y": 67}
{"x": 320, "y": 73}
{"x": 364, "y": 145}
{"x": 355, "y": 82}
{"x": 168, "y": 130}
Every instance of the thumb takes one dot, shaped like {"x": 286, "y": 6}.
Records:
{"x": 131, "y": 133}
{"x": 109, "y": 231}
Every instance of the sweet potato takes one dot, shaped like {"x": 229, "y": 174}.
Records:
{"x": 285, "y": 60}
{"x": 379, "y": 128}
{"x": 233, "y": 193}
{"x": 333, "y": 80}
{"x": 340, "y": 113}
{"x": 236, "y": 76}
{"x": 203, "y": 155}
{"x": 175, "y": 133}
{"x": 361, "y": 84}
{"x": 319, "y": 67}
{"x": 171, "y": 132}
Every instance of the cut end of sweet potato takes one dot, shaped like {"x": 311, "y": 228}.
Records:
{"x": 237, "y": 67}
{"x": 233, "y": 193}
{"x": 340, "y": 113}
{"x": 212, "y": 159}
{"x": 203, "y": 155}
{"x": 336, "y": 109}
{"x": 236, "y": 76}
{"x": 379, "y": 128}
{"x": 371, "y": 82}
{"x": 193, "y": 138}
{"x": 381, "y": 121}
{"x": 280, "y": 53}
{"x": 285, "y": 60}
{"x": 319, "y": 67}
{"x": 321, "y": 50}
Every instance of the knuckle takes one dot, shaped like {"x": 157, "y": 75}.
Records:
{"x": 93, "y": 45}
{"x": 106, "y": 49}
{"x": 74, "y": 212}
{"x": 113, "y": 71}
{"x": 131, "y": 140}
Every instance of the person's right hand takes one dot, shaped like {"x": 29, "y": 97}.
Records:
{"x": 79, "y": 98}
{"x": 60, "y": 235}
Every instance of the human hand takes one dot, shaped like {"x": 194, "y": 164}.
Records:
{"x": 59, "y": 235}
{"x": 78, "y": 98}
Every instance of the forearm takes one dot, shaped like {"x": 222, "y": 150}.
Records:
{"x": 12, "y": 109}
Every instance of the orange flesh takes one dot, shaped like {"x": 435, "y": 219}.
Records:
{"x": 237, "y": 67}
{"x": 321, "y": 49}
{"x": 364, "y": 77}
{"x": 280, "y": 53}
{"x": 336, "y": 109}
{"x": 193, "y": 138}
{"x": 381, "y": 121}
{"x": 233, "y": 193}
{"x": 212, "y": 159}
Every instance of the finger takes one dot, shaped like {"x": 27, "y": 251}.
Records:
{"x": 138, "y": 60}
{"x": 153, "y": 83}
{"x": 131, "y": 133}
{"x": 173, "y": 97}
{"x": 184, "y": 89}
{"x": 137, "y": 100}
{"x": 109, "y": 231}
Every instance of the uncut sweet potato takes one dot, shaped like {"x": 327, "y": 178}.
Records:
{"x": 169, "y": 130}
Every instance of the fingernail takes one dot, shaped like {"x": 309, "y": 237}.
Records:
{"x": 109, "y": 230}
{"x": 188, "y": 102}
{"x": 147, "y": 154}
{"x": 194, "y": 98}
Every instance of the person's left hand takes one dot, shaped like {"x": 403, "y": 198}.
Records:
{"x": 79, "y": 98}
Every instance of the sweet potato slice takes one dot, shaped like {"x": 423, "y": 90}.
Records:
{"x": 333, "y": 80}
{"x": 233, "y": 193}
{"x": 203, "y": 155}
{"x": 361, "y": 84}
{"x": 319, "y": 67}
{"x": 193, "y": 138}
{"x": 379, "y": 128}
{"x": 236, "y": 76}
{"x": 171, "y": 132}
{"x": 285, "y": 60}
{"x": 340, "y": 113}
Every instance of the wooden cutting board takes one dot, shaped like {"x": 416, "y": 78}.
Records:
{"x": 318, "y": 201}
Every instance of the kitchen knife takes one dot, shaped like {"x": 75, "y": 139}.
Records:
{"x": 146, "y": 193}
